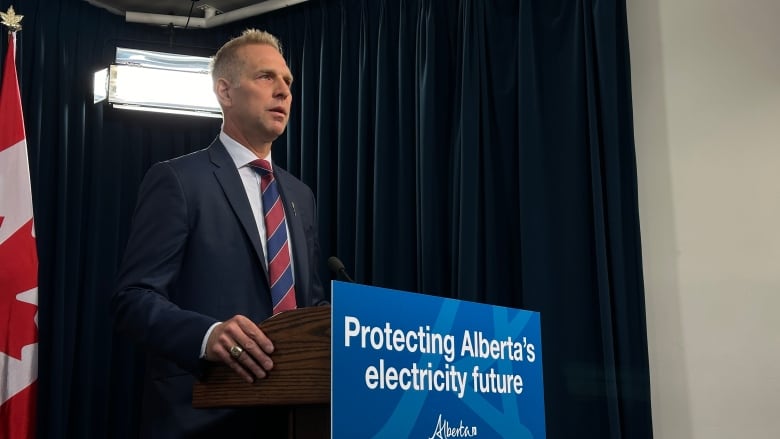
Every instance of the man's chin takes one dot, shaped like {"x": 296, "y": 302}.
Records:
{"x": 271, "y": 129}
{"x": 278, "y": 128}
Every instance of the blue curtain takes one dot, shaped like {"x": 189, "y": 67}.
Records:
{"x": 474, "y": 149}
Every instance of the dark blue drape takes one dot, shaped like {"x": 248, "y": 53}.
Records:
{"x": 474, "y": 149}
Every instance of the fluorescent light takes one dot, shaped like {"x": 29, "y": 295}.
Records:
{"x": 100, "y": 86}
{"x": 160, "y": 89}
{"x": 168, "y": 110}
{"x": 160, "y": 82}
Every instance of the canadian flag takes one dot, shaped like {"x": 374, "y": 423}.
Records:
{"x": 18, "y": 266}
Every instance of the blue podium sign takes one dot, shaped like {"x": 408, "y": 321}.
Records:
{"x": 408, "y": 365}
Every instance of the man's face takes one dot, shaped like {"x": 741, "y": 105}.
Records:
{"x": 259, "y": 104}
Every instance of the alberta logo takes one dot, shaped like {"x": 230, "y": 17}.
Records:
{"x": 444, "y": 430}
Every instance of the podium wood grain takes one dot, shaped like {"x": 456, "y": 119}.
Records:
{"x": 301, "y": 373}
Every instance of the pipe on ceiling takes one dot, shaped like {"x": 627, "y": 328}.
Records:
{"x": 101, "y": 5}
{"x": 210, "y": 20}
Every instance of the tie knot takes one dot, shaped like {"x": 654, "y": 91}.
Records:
{"x": 262, "y": 166}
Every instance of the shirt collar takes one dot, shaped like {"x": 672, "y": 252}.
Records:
{"x": 240, "y": 154}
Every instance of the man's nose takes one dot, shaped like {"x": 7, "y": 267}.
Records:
{"x": 282, "y": 90}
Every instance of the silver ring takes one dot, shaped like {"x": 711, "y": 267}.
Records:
{"x": 236, "y": 351}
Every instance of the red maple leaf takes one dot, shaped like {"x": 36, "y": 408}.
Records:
{"x": 18, "y": 273}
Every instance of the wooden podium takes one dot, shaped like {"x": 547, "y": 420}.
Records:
{"x": 299, "y": 383}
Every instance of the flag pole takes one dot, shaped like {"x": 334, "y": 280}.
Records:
{"x": 13, "y": 22}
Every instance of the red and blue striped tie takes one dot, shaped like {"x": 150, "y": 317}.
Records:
{"x": 277, "y": 245}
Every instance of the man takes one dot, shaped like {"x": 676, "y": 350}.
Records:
{"x": 195, "y": 277}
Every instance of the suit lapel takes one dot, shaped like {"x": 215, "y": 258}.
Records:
{"x": 227, "y": 175}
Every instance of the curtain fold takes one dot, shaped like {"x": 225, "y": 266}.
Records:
{"x": 481, "y": 150}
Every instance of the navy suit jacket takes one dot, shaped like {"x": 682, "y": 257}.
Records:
{"x": 194, "y": 258}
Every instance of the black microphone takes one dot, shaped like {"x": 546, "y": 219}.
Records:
{"x": 337, "y": 267}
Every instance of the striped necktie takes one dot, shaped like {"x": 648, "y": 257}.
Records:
{"x": 277, "y": 245}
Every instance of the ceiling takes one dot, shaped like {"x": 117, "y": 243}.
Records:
{"x": 172, "y": 7}
{"x": 205, "y": 13}
{"x": 169, "y": 7}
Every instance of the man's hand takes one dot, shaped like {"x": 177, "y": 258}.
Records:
{"x": 254, "y": 361}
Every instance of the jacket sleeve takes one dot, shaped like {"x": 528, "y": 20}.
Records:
{"x": 141, "y": 305}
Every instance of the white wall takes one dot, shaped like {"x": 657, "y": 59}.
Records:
{"x": 706, "y": 90}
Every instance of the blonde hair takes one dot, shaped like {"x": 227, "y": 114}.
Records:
{"x": 227, "y": 64}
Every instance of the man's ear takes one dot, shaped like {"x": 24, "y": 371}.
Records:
{"x": 222, "y": 91}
